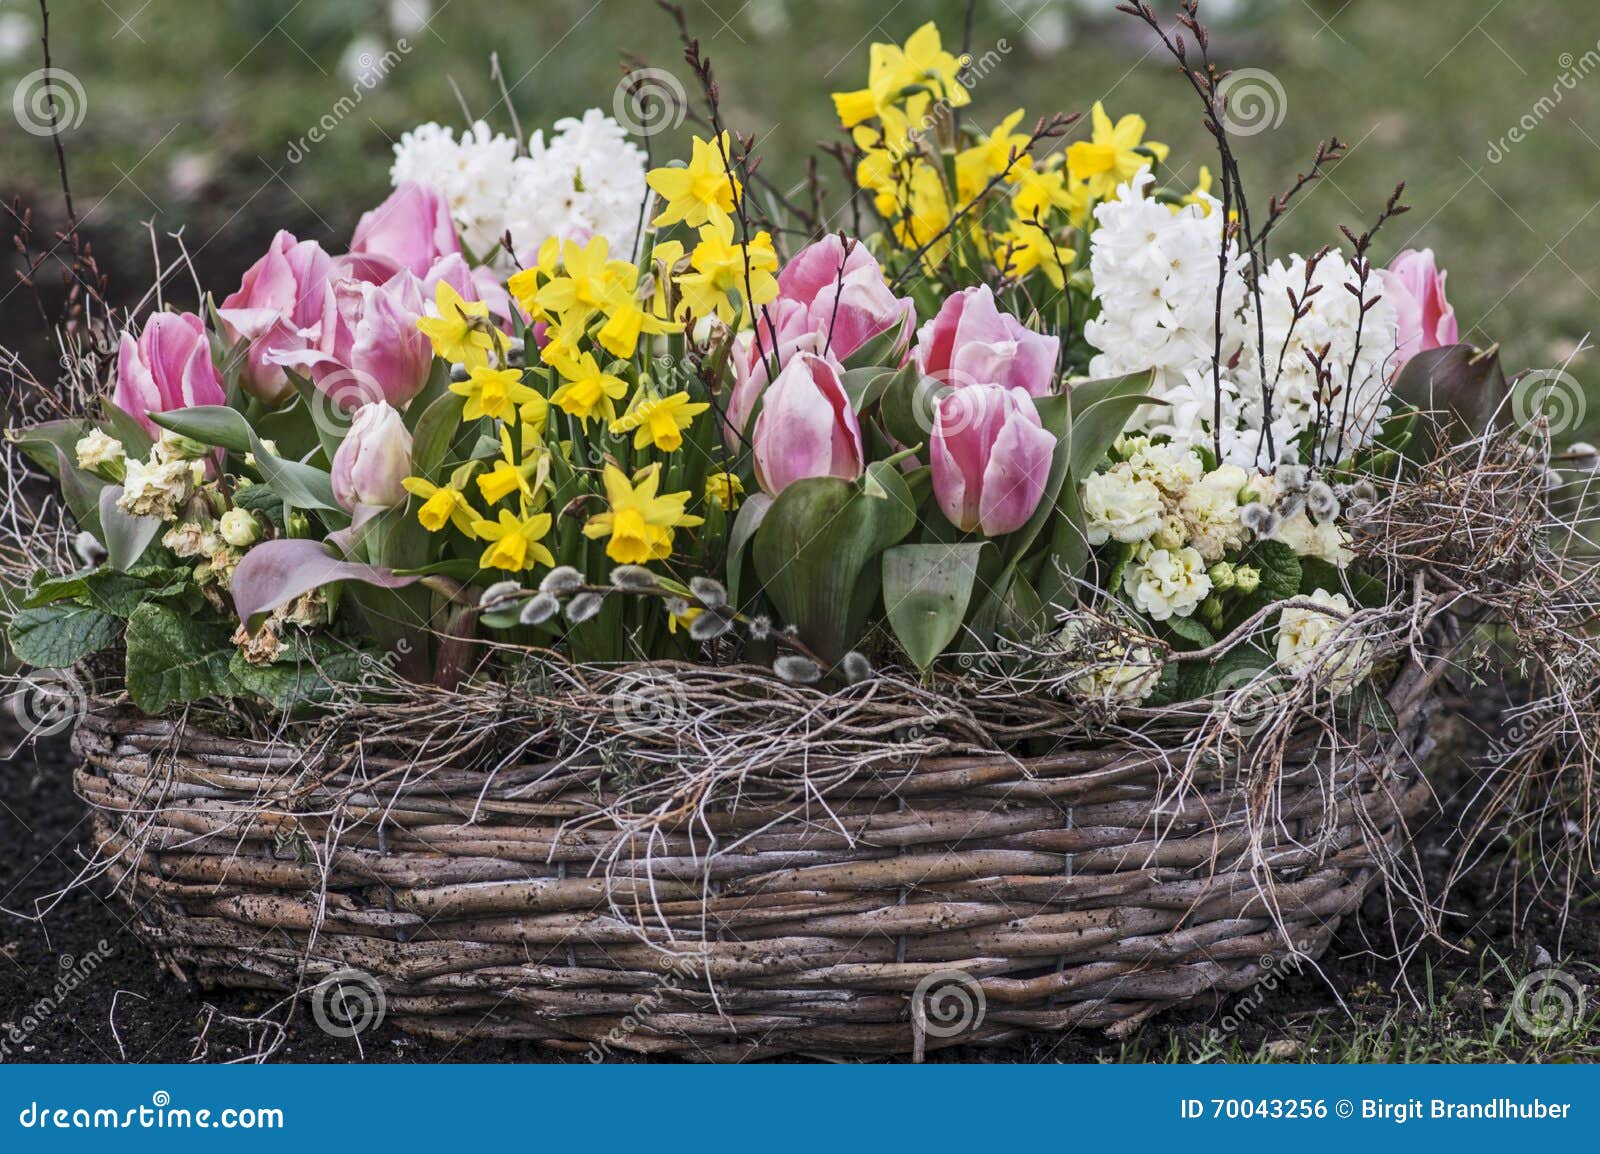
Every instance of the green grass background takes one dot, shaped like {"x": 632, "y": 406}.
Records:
{"x": 190, "y": 107}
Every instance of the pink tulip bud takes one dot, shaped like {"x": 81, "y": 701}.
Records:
{"x": 990, "y": 458}
{"x": 277, "y": 308}
{"x": 806, "y": 427}
{"x": 168, "y": 367}
{"x": 1414, "y": 284}
{"x": 368, "y": 345}
{"x": 373, "y": 459}
{"x": 752, "y": 361}
{"x": 412, "y": 228}
{"x": 971, "y": 342}
{"x": 845, "y": 295}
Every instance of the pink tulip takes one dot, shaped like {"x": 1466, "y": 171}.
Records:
{"x": 368, "y": 345}
{"x": 990, "y": 458}
{"x": 845, "y": 295}
{"x": 412, "y": 228}
{"x": 277, "y": 308}
{"x": 1414, "y": 284}
{"x": 971, "y": 342}
{"x": 814, "y": 313}
{"x": 168, "y": 367}
{"x": 373, "y": 459}
{"x": 806, "y": 427}
{"x": 752, "y": 360}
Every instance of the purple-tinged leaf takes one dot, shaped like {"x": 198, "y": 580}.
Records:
{"x": 276, "y": 572}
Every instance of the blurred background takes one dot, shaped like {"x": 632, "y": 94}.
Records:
{"x": 194, "y": 115}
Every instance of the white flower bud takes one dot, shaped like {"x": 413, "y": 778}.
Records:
{"x": 239, "y": 528}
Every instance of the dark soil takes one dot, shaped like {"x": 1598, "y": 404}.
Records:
{"x": 131, "y": 1009}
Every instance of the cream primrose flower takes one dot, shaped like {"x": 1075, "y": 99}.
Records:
{"x": 239, "y": 528}
{"x": 1308, "y": 538}
{"x": 1173, "y": 534}
{"x": 1170, "y": 468}
{"x": 1119, "y": 506}
{"x": 157, "y": 488}
{"x": 261, "y": 647}
{"x": 1113, "y": 668}
{"x": 1310, "y": 640}
{"x": 1210, "y": 512}
{"x": 1166, "y": 583}
{"x": 100, "y": 453}
{"x": 187, "y": 538}
{"x": 306, "y": 611}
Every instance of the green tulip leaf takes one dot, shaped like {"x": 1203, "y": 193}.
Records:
{"x": 815, "y": 549}
{"x": 926, "y": 591}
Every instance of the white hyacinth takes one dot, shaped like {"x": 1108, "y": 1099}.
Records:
{"x": 587, "y": 180}
{"x": 1155, "y": 277}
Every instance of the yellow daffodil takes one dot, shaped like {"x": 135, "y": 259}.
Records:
{"x": 534, "y": 414}
{"x": 902, "y": 83}
{"x": 719, "y": 273}
{"x": 588, "y": 393}
{"x": 492, "y": 392}
{"x": 664, "y": 260}
{"x": 1111, "y": 156}
{"x": 677, "y": 621}
{"x": 525, "y": 285}
{"x": 922, "y": 212}
{"x": 561, "y": 341}
{"x": 639, "y": 523}
{"x": 441, "y": 505}
{"x": 725, "y": 489}
{"x": 462, "y": 331}
{"x": 509, "y": 476}
{"x": 701, "y": 192}
{"x": 1028, "y": 247}
{"x": 978, "y": 165}
{"x": 588, "y": 278}
{"x": 1039, "y": 192}
{"x": 514, "y": 542}
{"x": 626, "y": 322}
{"x": 659, "y": 421}
{"x": 1201, "y": 193}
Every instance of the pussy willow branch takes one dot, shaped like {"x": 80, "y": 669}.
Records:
{"x": 55, "y": 126}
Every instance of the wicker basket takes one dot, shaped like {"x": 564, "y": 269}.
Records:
{"x": 958, "y": 900}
